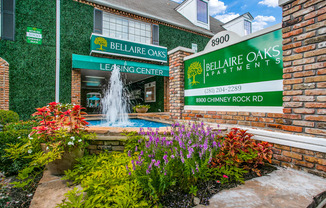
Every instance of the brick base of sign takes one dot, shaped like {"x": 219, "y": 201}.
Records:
{"x": 300, "y": 159}
{"x": 4, "y": 85}
{"x": 275, "y": 121}
{"x": 75, "y": 86}
{"x": 176, "y": 82}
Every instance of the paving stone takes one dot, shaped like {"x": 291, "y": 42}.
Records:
{"x": 286, "y": 188}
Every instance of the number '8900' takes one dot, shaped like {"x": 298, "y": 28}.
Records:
{"x": 220, "y": 40}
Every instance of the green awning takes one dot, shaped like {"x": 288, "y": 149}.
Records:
{"x": 106, "y": 64}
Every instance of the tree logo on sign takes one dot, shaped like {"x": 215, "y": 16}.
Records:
{"x": 193, "y": 70}
{"x": 102, "y": 42}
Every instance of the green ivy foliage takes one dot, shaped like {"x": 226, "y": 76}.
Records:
{"x": 32, "y": 66}
{"x": 172, "y": 38}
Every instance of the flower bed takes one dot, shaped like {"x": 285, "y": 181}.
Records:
{"x": 179, "y": 169}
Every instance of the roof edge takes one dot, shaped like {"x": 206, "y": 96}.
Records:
{"x": 283, "y": 2}
{"x": 248, "y": 13}
{"x": 181, "y": 48}
{"x": 104, "y": 3}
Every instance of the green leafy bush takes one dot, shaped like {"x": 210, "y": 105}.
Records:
{"x": 106, "y": 181}
{"x": 239, "y": 154}
{"x": 12, "y": 137}
{"x": 8, "y": 117}
{"x": 20, "y": 125}
{"x": 60, "y": 129}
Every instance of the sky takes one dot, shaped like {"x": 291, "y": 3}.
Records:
{"x": 265, "y": 12}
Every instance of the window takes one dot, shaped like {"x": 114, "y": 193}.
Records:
{"x": 7, "y": 17}
{"x": 150, "y": 92}
{"x": 247, "y": 27}
{"x": 115, "y": 26}
{"x": 202, "y": 11}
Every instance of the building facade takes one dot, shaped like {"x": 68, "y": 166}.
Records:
{"x": 28, "y": 53}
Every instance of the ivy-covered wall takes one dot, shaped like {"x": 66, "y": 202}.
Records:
{"x": 172, "y": 38}
{"x": 32, "y": 66}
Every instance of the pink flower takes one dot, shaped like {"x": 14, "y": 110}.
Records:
{"x": 225, "y": 176}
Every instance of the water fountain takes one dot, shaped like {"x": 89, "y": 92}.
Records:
{"x": 115, "y": 102}
{"x": 115, "y": 105}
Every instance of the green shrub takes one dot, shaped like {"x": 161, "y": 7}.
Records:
{"x": 106, "y": 180}
{"x": 8, "y": 117}
{"x": 20, "y": 125}
{"x": 8, "y": 165}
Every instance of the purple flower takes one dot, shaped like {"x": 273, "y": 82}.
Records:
{"x": 133, "y": 164}
{"x": 129, "y": 153}
{"x": 172, "y": 156}
{"x": 157, "y": 164}
{"x": 205, "y": 144}
{"x": 136, "y": 148}
{"x": 165, "y": 158}
{"x": 147, "y": 171}
{"x": 214, "y": 144}
{"x": 129, "y": 173}
{"x": 142, "y": 153}
{"x": 127, "y": 167}
{"x": 190, "y": 151}
{"x": 182, "y": 160}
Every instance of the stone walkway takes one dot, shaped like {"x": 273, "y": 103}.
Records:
{"x": 283, "y": 188}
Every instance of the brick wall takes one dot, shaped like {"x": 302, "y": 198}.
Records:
{"x": 254, "y": 119}
{"x": 304, "y": 59}
{"x": 176, "y": 82}
{"x": 4, "y": 85}
{"x": 300, "y": 159}
{"x": 75, "y": 86}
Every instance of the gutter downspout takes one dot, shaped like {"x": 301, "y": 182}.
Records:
{"x": 57, "y": 59}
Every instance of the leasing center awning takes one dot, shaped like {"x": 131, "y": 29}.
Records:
{"x": 105, "y": 64}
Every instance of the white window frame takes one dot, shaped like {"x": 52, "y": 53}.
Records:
{"x": 206, "y": 11}
{"x": 245, "y": 29}
{"x": 116, "y": 26}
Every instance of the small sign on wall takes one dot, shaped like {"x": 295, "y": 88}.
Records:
{"x": 194, "y": 47}
{"x": 34, "y": 35}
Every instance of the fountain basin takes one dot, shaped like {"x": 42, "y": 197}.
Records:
{"x": 135, "y": 122}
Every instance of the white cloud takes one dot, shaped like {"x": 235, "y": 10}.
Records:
{"x": 216, "y": 7}
{"x": 226, "y": 17}
{"x": 260, "y": 22}
{"x": 269, "y": 3}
